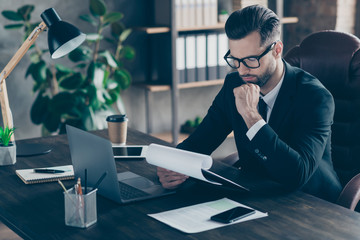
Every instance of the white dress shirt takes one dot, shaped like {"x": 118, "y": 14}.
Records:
{"x": 269, "y": 99}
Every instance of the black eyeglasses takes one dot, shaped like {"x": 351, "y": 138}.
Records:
{"x": 249, "y": 62}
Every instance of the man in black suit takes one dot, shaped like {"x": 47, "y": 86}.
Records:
{"x": 290, "y": 142}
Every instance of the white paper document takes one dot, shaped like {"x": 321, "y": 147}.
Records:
{"x": 177, "y": 160}
{"x": 196, "y": 218}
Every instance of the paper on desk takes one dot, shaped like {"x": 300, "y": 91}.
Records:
{"x": 196, "y": 218}
{"x": 177, "y": 160}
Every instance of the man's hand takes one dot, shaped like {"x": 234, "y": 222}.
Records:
{"x": 170, "y": 179}
{"x": 246, "y": 100}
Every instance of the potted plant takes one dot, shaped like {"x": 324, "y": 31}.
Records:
{"x": 7, "y": 148}
{"x": 83, "y": 94}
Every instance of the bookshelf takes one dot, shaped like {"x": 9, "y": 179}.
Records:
{"x": 166, "y": 26}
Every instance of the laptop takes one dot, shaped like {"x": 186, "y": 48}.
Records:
{"x": 95, "y": 154}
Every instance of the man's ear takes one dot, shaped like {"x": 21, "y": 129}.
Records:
{"x": 279, "y": 46}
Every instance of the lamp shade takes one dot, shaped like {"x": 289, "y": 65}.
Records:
{"x": 62, "y": 36}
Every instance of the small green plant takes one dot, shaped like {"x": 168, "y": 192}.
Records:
{"x": 81, "y": 94}
{"x": 5, "y": 135}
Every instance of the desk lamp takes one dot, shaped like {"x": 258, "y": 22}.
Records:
{"x": 62, "y": 39}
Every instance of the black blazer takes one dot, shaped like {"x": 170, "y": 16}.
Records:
{"x": 294, "y": 148}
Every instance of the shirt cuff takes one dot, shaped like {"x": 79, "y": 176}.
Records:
{"x": 255, "y": 128}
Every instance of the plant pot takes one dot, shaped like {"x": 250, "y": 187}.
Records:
{"x": 8, "y": 154}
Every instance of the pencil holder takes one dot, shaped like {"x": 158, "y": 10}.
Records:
{"x": 80, "y": 209}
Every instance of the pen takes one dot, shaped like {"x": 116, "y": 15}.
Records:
{"x": 47, "y": 170}
{"x": 79, "y": 187}
{"x": 85, "y": 181}
{"x": 100, "y": 180}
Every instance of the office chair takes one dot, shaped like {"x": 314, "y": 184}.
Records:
{"x": 350, "y": 195}
{"x": 334, "y": 58}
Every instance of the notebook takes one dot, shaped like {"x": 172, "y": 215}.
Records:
{"x": 28, "y": 176}
{"x": 95, "y": 154}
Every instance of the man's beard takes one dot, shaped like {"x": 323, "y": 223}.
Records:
{"x": 264, "y": 78}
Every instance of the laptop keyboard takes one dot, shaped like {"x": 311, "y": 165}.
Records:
{"x": 128, "y": 192}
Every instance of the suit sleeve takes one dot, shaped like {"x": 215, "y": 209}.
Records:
{"x": 213, "y": 129}
{"x": 293, "y": 162}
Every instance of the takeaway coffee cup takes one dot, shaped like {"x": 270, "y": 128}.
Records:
{"x": 117, "y": 127}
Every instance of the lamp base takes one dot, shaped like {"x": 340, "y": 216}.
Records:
{"x": 30, "y": 150}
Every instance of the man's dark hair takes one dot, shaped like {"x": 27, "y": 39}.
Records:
{"x": 253, "y": 18}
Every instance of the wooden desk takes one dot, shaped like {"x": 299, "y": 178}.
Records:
{"x": 37, "y": 211}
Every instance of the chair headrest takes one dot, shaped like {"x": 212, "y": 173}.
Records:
{"x": 329, "y": 56}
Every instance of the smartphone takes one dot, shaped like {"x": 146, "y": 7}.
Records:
{"x": 232, "y": 215}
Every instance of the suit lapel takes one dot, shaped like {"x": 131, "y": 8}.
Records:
{"x": 284, "y": 100}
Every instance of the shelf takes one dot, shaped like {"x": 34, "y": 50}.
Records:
{"x": 286, "y": 20}
{"x": 167, "y": 136}
{"x": 153, "y": 30}
{"x": 162, "y": 88}
{"x": 199, "y": 28}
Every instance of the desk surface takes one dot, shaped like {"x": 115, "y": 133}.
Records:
{"x": 37, "y": 211}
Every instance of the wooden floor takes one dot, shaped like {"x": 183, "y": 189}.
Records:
{"x": 6, "y": 233}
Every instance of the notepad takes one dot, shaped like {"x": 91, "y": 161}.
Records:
{"x": 28, "y": 176}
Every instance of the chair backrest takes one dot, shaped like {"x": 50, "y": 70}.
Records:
{"x": 334, "y": 58}
{"x": 350, "y": 195}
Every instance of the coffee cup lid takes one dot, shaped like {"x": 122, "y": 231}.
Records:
{"x": 117, "y": 118}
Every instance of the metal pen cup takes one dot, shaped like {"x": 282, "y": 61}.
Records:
{"x": 80, "y": 210}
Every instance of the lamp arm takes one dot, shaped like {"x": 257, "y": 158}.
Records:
{"x": 22, "y": 50}
{"x": 4, "y": 100}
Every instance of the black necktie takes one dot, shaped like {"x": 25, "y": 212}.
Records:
{"x": 262, "y": 108}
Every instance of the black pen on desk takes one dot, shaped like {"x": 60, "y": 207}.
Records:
{"x": 48, "y": 170}
{"x": 100, "y": 180}
{"x": 85, "y": 181}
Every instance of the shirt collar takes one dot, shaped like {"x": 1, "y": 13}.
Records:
{"x": 270, "y": 98}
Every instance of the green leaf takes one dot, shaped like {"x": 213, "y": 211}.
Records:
{"x": 62, "y": 103}
{"x": 38, "y": 72}
{"x": 93, "y": 37}
{"x": 35, "y": 57}
{"x": 91, "y": 71}
{"x": 13, "y": 26}
{"x": 72, "y": 82}
{"x": 5, "y": 135}
{"x": 113, "y": 97}
{"x": 93, "y": 100}
{"x": 124, "y": 35}
{"x": 89, "y": 19}
{"x": 127, "y": 52}
{"x": 11, "y": 15}
{"x": 117, "y": 29}
{"x": 63, "y": 69}
{"x": 52, "y": 121}
{"x": 81, "y": 65}
{"x": 109, "y": 58}
{"x": 111, "y": 84}
{"x": 97, "y": 7}
{"x": 99, "y": 76}
{"x": 123, "y": 77}
{"x": 39, "y": 109}
{"x": 113, "y": 17}
{"x": 81, "y": 53}
{"x": 25, "y": 12}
